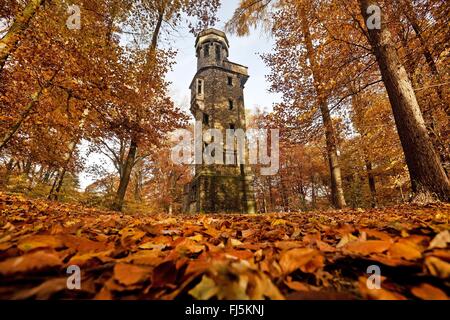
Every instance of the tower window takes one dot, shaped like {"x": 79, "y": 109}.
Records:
{"x": 199, "y": 86}
{"x": 218, "y": 48}
{"x": 206, "y": 50}
{"x": 230, "y": 81}
{"x": 232, "y": 126}
{"x": 206, "y": 119}
{"x": 230, "y": 104}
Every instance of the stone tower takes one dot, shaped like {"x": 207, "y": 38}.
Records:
{"x": 217, "y": 100}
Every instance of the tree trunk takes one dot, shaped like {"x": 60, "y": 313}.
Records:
{"x": 8, "y": 170}
{"x": 138, "y": 186}
{"x": 284, "y": 195}
{"x": 9, "y": 42}
{"x": 126, "y": 172}
{"x": 372, "y": 186}
{"x": 271, "y": 200}
{"x": 313, "y": 191}
{"x": 337, "y": 192}
{"x": 264, "y": 206}
{"x": 125, "y": 177}
{"x": 425, "y": 169}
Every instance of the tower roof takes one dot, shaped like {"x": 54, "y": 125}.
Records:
{"x": 211, "y": 33}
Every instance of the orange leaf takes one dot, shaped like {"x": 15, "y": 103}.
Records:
{"x": 31, "y": 262}
{"x": 367, "y": 247}
{"x": 404, "y": 251}
{"x": 128, "y": 274}
{"x": 428, "y": 292}
{"x": 40, "y": 241}
{"x": 306, "y": 259}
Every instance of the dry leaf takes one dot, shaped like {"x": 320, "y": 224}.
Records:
{"x": 367, "y": 247}
{"x": 40, "y": 241}
{"x": 437, "y": 267}
{"x": 441, "y": 240}
{"x": 129, "y": 274}
{"x": 426, "y": 291}
{"x": 405, "y": 251}
{"x": 205, "y": 290}
{"x": 30, "y": 262}
{"x": 306, "y": 259}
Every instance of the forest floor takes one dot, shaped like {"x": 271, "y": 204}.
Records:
{"x": 312, "y": 255}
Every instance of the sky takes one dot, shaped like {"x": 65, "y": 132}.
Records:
{"x": 243, "y": 50}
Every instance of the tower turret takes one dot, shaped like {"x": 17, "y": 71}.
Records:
{"x": 212, "y": 48}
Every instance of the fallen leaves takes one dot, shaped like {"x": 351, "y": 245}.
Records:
{"x": 377, "y": 294}
{"x": 40, "y": 241}
{"x": 235, "y": 280}
{"x": 405, "y": 251}
{"x": 306, "y": 259}
{"x": 205, "y": 290}
{"x": 437, "y": 267}
{"x": 310, "y": 255}
{"x": 441, "y": 240}
{"x": 129, "y": 274}
{"x": 30, "y": 262}
{"x": 426, "y": 291}
{"x": 367, "y": 247}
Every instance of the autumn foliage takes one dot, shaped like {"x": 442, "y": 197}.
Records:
{"x": 321, "y": 255}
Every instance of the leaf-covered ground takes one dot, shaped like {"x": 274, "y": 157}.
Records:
{"x": 317, "y": 255}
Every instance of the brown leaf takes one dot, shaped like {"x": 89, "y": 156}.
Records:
{"x": 188, "y": 246}
{"x": 441, "y": 240}
{"x": 377, "y": 294}
{"x": 347, "y": 238}
{"x": 145, "y": 257}
{"x": 437, "y": 267}
{"x": 44, "y": 291}
{"x": 297, "y": 286}
{"x": 367, "y": 247}
{"x": 129, "y": 274}
{"x": 371, "y": 233}
{"x": 306, "y": 259}
{"x": 30, "y": 262}
{"x": 405, "y": 251}
{"x": 84, "y": 245}
{"x": 40, "y": 241}
{"x": 88, "y": 259}
{"x": 426, "y": 291}
{"x": 205, "y": 290}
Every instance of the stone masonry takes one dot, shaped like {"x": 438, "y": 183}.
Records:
{"x": 217, "y": 100}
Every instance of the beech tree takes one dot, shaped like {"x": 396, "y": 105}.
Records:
{"x": 425, "y": 169}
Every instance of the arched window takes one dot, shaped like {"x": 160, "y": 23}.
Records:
{"x": 230, "y": 104}
{"x": 206, "y": 119}
{"x": 199, "y": 86}
{"x": 218, "y": 49}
